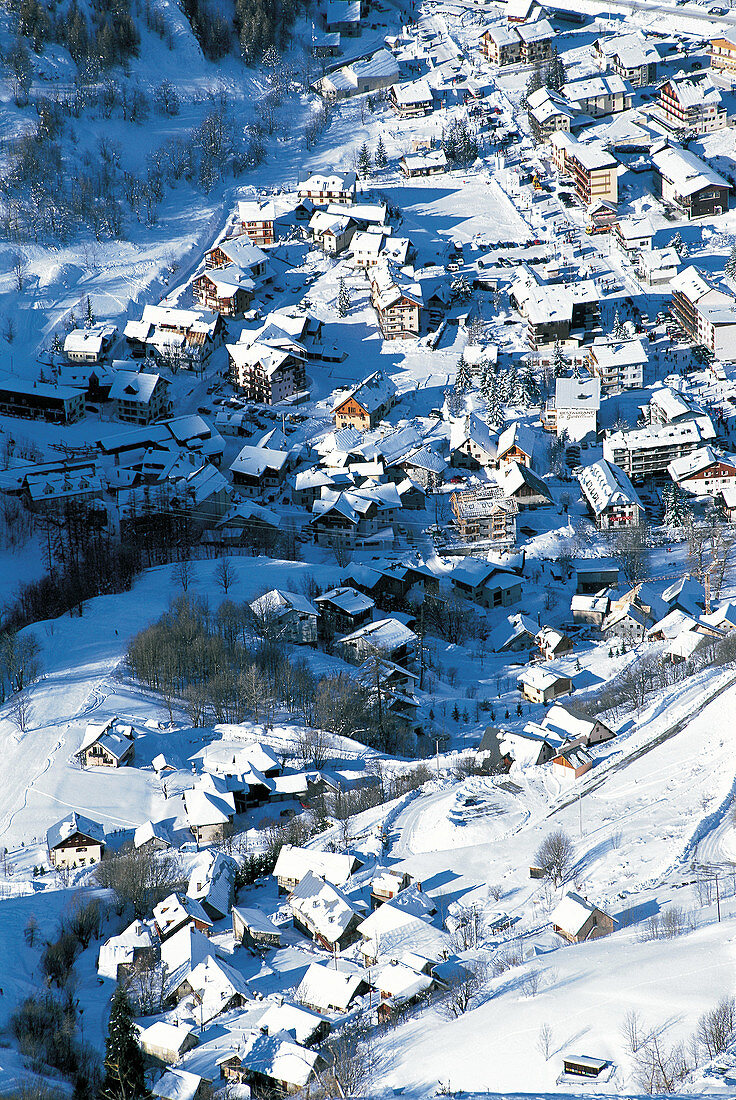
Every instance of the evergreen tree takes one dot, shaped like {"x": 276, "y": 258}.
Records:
{"x": 555, "y": 75}
{"x": 494, "y": 402}
{"x": 674, "y": 508}
{"x": 343, "y": 299}
{"x": 533, "y": 84}
{"x": 559, "y": 362}
{"x": 89, "y": 319}
{"x": 364, "y": 161}
{"x": 464, "y": 376}
{"x": 730, "y": 269}
{"x": 462, "y": 291}
{"x": 487, "y": 382}
{"x": 512, "y": 386}
{"x": 677, "y": 243}
{"x": 529, "y": 386}
{"x": 124, "y": 1079}
{"x": 618, "y": 331}
{"x": 459, "y": 144}
{"x": 381, "y": 158}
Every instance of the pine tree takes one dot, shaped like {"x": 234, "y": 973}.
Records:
{"x": 529, "y": 386}
{"x": 124, "y": 1077}
{"x": 487, "y": 382}
{"x": 381, "y": 158}
{"x": 533, "y": 84}
{"x": 730, "y": 269}
{"x": 464, "y": 376}
{"x": 677, "y": 243}
{"x": 343, "y": 299}
{"x": 618, "y": 331}
{"x": 494, "y": 402}
{"x": 462, "y": 291}
{"x": 559, "y": 362}
{"x": 89, "y": 319}
{"x": 364, "y": 161}
{"x": 555, "y": 75}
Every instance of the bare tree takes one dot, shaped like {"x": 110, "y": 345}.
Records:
{"x": 147, "y": 985}
{"x": 20, "y": 268}
{"x": 140, "y": 878}
{"x": 716, "y": 1027}
{"x": 555, "y": 856}
{"x": 312, "y": 747}
{"x": 225, "y": 575}
{"x": 544, "y": 1041}
{"x": 352, "y": 1062}
{"x": 182, "y": 573}
{"x": 21, "y": 711}
{"x": 465, "y": 990}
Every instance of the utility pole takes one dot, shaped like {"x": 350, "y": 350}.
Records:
{"x": 437, "y": 754}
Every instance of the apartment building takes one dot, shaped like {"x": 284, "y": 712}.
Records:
{"x": 631, "y": 56}
{"x": 485, "y": 515}
{"x": 611, "y": 498}
{"x": 536, "y": 41}
{"x": 323, "y": 188}
{"x": 397, "y": 300}
{"x": 501, "y": 45}
{"x": 593, "y": 170}
{"x": 691, "y": 101}
{"x": 707, "y": 315}
{"x": 257, "y": 220}
{"x": 619, "y": 364}
{"x": 598, "y": 96}
{"x": 646, "y": 452}
{"x": 723, "y": 54}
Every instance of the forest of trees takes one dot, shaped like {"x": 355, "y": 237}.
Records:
{"x": 229, "y": 666}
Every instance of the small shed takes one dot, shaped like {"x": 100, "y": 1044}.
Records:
{"x": 254, "y": 928}
{"x": 582, "y": 1065}
{"x": 572, "y": 762}
{"x": 167, "y": 1042}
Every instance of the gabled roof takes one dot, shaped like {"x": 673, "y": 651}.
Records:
{"x": 75, "y": 823}
{"x": 325, "y": 987}
{"x": 335, "y": 867}
{"x": 322, "y": 907}
{"x": 605, "y": 485}
{"x": 372, "y": 394}
{"x": 572, "y": 912}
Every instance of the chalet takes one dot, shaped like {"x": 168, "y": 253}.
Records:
{"x": 473, "y": 444}
{"x": 563, "y": 721}
{"x": 266, "y": 374}
{"x": 397, "y": 300}
{"x": 344, "y": 609}
{"x": 412, "y": 99}
{"x": 75, "y": 841}
{"x": 692, "y": 102}
{"x": 553, "y": 643}
{"x": 703, "y": 472}
{"x": 119, "y": 954}
{"x": 294, "y": 863}
{"x": 482, "y": 515}
{"x": 325, "y": 44}
{"x": 333, "y": 987}
{"x": 90, "y": 345}
{"x": 107, "y": 745}
{"x": 631, "y": 56}
{"x": 591, "y": 610}
{"x": 432, "y": 162}
{"x": 331, "y": 232}
{"x": 353, "y": 518}
{"x": 322, "y": 912}
{"x": 516, "y": 444}
{"x": 52, "y": 490}
{"x": 185, "y": 336}
{"x": 322, "y": 188}
{"x": 258, "y": 471}
{"x": 522, "y": 486}
{"x": 270, "y": 1065}
{"x": 386, "y": 884}
{"x": 657, "y": 268}
{"x": 536, "y": 41}
{"x": 287, "y": 616}
{"x": 610, "y": 496}
{"x": 41, "y": 401}
{"x": 298, "y": 1022}
{"x": 571, "y": 762}
{"x": 633, "y": 236}
{"x": 139, "y": 397}
{"x": 239, "y": 253}
{"x": 518, "y": 634}
{"x": 577, "y": 920}
{"x": 540, "y": 685}
{"x": 212, "y": 883}
{"x": 548, "y": 111}
{"x": 154, "y": 835}
{"x": 211, "y": 987}
{"x": 367, "y": 404}
{"x": 399, "y": 985}
{"x": 686, "y": 181}
{"x": 501, "y": 45}
{"x": 389, "y": 637}
{"x": 486, "y": 584}
{"x": 177, "y": 911}
{"x": 256, "y": 219}
{"x": 180, "y": 1084}
{"x": 254, "y": 929}
{"x": 619, "y": 364}
{"x": 227, "y": 290}
{"x": 167, "y": 1043}
{"x": 209, "y": 812}
{"x": 723, "y": 53}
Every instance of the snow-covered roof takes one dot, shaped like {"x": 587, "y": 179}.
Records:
{"x": 131, "y": 386}
{"x": 578, "y": 393}
{"x": 506, "y": 633}
{"x": 89, "y": 341}
{"x": 278, "y": 1059}
{"x": 212, "y": 881}
{"x": 605, "y": 486}
{"x": 538, "y": 31}
{"x": 327, "y": 181}
{"x": 256, "y": 461}
{"x": 293, "y": 863}
{"x": 572, "y": 912}
{"x": 541, "y": 677}
{"x": 400, "y": 982}
{"x": 632, "y": 50}
{"x": 296, "y": 1021}
{"x": 176, "y": 1084}
{"x": 165, "y": 1036}
{"x": 385, "y": 634}
{"x": 326, "y": 987}
{"x": 152, "y": 830}
{"x": 680, "y": 469}
{"x": 687, "y": 173}
{"x": 413, "y": 92}
{"x": 75, "y": 823}
{"x": 322, "y": 907}
{"x": 278, "y": 602}
{"x": 256, "y": 920}
{"x": 348, "y": 600}
{"x": 611, "y": 354}
{"x": 178, "y": 909}
{"x": 205, "y": 807}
